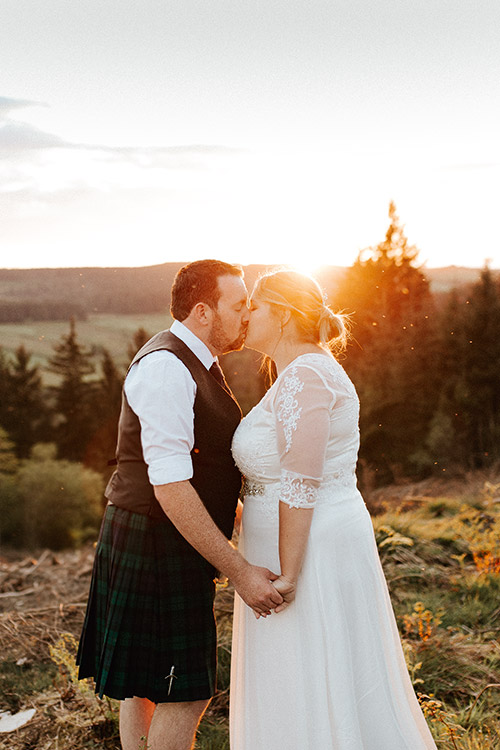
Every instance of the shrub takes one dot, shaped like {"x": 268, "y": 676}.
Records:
{"x": 11, "y": 511}
{"x": 61, "y": 501}
{"x": 480, "y": 529}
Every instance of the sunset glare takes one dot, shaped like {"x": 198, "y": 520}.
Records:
{"x": 136, "y": 134}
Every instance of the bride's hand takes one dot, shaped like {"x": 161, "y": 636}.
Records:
{"x": 287, "y": 588}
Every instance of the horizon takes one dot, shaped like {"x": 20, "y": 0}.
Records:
{"x": 180, "y": 263}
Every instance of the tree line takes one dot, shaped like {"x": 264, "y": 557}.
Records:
{"x": 18, "y": 311}
{"x": 426, "y": 368}
{"x": 79, "y": 415}
{"x": 56, "y": 442}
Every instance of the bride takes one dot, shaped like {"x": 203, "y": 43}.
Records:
{"x": 325, "y": 671}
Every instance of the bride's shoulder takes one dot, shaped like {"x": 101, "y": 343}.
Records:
{"x": 319, "y": 359}
{"x": 317, "y": 362}
{"x": 319, "y": 365}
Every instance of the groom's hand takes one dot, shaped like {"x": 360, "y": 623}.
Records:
{"x": 254, "y": 586}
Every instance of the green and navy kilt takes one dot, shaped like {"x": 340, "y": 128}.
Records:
{"x": 150, "y": 609}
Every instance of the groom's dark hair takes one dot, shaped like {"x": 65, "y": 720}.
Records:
{"x": 198, "y": 282}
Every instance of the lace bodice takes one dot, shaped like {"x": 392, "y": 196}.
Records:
{"x": 302, "y": 436}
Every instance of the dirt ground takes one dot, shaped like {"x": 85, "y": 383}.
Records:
{"x": 42, "y": 596}
{"x": 42, "y": 605}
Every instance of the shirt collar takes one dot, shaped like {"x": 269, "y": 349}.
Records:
{"x": 196, "y": 345}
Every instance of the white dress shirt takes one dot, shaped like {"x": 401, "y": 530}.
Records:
{"x": 161, "y": 391}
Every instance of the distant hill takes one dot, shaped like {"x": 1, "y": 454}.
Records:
{"x": 89, "y": 290}
{"x": 58, "y": 293}
{"x": 451, "y": 277}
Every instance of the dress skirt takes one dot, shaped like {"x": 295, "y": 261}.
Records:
{"x": 328, "y": 673}
{"x": 150, "y": 609}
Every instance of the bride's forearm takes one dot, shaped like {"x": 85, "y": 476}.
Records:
{"x": 293, "y": 536}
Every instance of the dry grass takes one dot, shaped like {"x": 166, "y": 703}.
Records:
{"x": 43, "y": 599}
{"x": 448, "y": 612}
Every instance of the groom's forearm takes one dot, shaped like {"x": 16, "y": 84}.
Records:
{"x": 183, "y": 506}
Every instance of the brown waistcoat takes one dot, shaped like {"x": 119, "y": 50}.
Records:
{"x": 216, "y": 416}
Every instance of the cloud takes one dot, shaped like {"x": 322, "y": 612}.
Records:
{"x": 188, "y": 157}
{"x": 56, "y": 191}
{"x": 17, "y": 137}
{"x": 8, "y": 105}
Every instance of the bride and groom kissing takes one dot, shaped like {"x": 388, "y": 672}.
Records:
{"x": 317, "y": 662}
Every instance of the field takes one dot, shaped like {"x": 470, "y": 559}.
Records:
{"x": 110, "y": 331}
{"x": 439, "y": 544}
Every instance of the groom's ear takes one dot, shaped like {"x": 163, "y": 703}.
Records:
{"x": 201, "y": 314}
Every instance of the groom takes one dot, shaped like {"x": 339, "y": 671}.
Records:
{"x": 149, "y": 633}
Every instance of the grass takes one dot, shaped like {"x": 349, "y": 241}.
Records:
{"x": 18, "y": 682}
{"x": 448, "y": 612}
{"x": 448, "y": 609}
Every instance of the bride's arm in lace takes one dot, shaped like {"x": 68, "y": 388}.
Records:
{"x": 302, "y": 411}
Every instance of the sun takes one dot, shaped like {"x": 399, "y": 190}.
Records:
{"x": 307, "y": 266}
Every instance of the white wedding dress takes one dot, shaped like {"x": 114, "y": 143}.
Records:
{"x": 327, "y": 673}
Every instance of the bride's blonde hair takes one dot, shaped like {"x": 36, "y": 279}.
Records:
{"x": 302, "y": 295}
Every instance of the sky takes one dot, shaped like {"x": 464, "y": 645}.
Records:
{"x": 136, "y": 132}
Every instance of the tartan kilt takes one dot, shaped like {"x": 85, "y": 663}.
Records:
{"x": 150, "y": 609}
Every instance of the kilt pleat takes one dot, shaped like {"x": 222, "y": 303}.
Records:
{"x": 150, "y": 609}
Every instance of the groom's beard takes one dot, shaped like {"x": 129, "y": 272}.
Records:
{"x": 219, "y": 340}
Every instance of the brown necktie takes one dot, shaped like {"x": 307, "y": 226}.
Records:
{"x": 216, "y": 371}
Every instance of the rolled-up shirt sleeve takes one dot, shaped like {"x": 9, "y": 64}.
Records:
{"x": 161, "y": 391}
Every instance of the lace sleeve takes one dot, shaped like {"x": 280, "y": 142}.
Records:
{"x": 302, "y": 412}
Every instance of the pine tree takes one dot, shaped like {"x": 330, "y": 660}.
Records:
{"x": 139, "y": 338}
{"x": 108, "y": 397}
{"x": 8, "y": 459}
{"x": 4, "y": 388}
{"x": 11, "y": 504}
{"x": 390, "y": 359}
{"x": 26, "y": 413}
{"x": 480, "y": 402}
{"x": 75, "y": 406}
{"x": 445, "y": 445}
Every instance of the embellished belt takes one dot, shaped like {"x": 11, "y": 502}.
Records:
{"x": 342, "y": 476}
{"x": 253, "y": 488}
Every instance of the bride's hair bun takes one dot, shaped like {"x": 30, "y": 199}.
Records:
{"x": 331, "y": 327}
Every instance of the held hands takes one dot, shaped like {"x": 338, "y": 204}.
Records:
{"x": 287, "y": 588}
{"x": 254, "y": 586}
